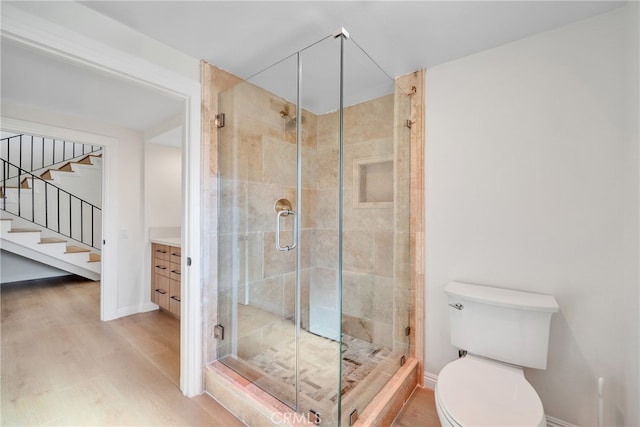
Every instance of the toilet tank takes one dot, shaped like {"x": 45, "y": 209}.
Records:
{"x": 501, "y": 324}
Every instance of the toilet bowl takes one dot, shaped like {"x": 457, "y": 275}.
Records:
{"x": 475, "y": 391}
{"x": 500, "y": 331}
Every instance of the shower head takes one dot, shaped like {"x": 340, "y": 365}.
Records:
{"x": 289, "y": 122}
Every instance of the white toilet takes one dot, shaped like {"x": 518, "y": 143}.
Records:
{"x": 501, "y": 331}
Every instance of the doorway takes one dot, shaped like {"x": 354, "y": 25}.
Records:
{"x": 122, "y": 290}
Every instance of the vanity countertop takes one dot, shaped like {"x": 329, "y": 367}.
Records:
{"x": 171, "y": 241}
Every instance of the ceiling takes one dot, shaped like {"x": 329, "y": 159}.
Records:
{"x": 244, "y": 37}
{"x": 52, "y": 83}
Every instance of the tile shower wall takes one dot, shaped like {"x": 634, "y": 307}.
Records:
{"x": 375, "y": 255}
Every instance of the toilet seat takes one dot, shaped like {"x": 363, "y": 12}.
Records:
{"x": 474, "y": 391}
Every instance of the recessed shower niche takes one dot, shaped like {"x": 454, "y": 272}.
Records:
{"x": 314, "y": 297}
{"x": 373, "y": 182}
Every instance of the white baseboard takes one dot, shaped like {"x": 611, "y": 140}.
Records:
{"x": 128, "y": 311}
{"x": 134, "y": 309}
{"x": 431, "y": 379}
{"x": 149, "y": 306}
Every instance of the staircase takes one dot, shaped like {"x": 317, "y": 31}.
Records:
{"x": 32, "y": 242}
{"x": 50, "y": 203}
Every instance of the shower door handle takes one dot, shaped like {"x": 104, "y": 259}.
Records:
{"x": 283, "y": 209}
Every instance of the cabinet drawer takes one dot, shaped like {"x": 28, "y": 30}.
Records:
{"x": 174, "y": 306}
{"x": 161, "y": 252}
{"x": 174, "y": 298}
{"x": 174, "y": 288}
{"x": 174, "y": 271}
{"x": 176, "y": 254}
{"x": 162, "y": 291}
{"x": 162, "y": 300}
{"x": 162, "y": 267}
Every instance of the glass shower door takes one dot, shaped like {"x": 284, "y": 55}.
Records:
{"x": 257, "y": 282}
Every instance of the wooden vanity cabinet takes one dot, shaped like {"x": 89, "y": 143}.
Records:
{"x": 165, "y": 277}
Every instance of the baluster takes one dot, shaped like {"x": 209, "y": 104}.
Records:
{"x": 58, "y": 208}
{"x": 20, "y": 155}
{"x": 70, "y": 216}
{"x": 4, "y": 185}
{"x": 93, "y": 229}
{"x": 19, "y": 202}
{"x": 81, "y": 223}
{"x": 33, "y": 200}
{"x": 46, "y": 205}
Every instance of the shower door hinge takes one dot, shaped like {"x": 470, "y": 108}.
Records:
{"x": 353, "y": 417}
{"x": 218, "y": 332}
{"x": 314, "y": 417}
{"x": 219, "y": 121}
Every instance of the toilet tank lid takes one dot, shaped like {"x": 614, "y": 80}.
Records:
{"x": 502, "y": 297}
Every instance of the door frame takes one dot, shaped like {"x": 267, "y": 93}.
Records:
{"x": 52, "y": 39}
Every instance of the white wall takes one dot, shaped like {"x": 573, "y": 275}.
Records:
{"x": 532, "y": 184}
{"x": 15, "y": 268}
{"x": 163, "y": 185}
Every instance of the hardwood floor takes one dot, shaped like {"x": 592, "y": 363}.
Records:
{"x": 419, "y": 411}
{"x": 60, "y": 365}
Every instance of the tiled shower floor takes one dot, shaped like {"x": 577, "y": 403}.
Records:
{"x": 266, "y": 356}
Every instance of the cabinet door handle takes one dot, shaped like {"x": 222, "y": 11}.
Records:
{"x": 160, "y": 291}
{"x": 161, "y": 267}
{"x": 175, "y": 299}
{"x": 175, "y": 271}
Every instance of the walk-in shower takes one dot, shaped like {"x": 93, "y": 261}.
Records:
{"x": 313, "y": 277}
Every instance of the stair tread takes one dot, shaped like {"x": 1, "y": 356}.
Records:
{"x": 75, "y": 250}
{"x": 65, "y": 168}
{"x": 45, "y": 240}
{"x": 86, "y": 160}
{"x": 25, "y": 230}
{"x": 46, "y": 175}
{"x": 93, "y": 257}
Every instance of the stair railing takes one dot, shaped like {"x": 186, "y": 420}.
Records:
{"x": 54, "y": 208}
{"x": 32, "y": 153}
